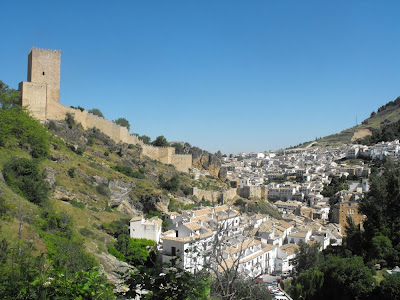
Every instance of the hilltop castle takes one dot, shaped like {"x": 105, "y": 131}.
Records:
{"x": 41, "y": 94}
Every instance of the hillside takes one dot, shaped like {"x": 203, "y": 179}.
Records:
{"x": 65, "y": 191}
{"x": 385, "y": 115}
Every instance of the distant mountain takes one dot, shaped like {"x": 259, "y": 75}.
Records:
{"x": 382, "y": 125}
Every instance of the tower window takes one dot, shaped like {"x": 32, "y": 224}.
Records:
{"x": 43, "y": 73}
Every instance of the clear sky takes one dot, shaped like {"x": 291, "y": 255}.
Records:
{"x": 222, "y": 75}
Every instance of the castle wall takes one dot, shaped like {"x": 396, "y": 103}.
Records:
{"x": 214, "y": 196}
{"x": 41, "y": 94}
{"x": 34, "y": 98}
{"x": 182, "y": 162}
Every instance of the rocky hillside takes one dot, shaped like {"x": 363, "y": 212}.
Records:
{"x": 89, "y": 180}
{"x": 384, "y": 116}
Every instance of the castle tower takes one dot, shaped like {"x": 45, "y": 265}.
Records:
{"x": 43, "y": 85}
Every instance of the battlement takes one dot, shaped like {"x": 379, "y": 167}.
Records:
{"x": 44, "y": 50}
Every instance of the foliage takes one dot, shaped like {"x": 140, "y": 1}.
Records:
{"x": 123, "y": 122}
{"x": 307, "y": 284}
{"x": 103, "y": 189}
{"x": 337, "y": 184}
{"x": 9, "y": 98}
{"x": 124, "y": 170}
{"x": 178, "y": 148}
{"x": 25, "y": 178}
{"x": 171, "y": 184}
{"x": 145, "y": 139}
{"x": 69, "y": 118}
{"x": 75, "y": 203}
{"x": 160, "y": 141}
{"x": 138, "y": 175}
{"x": 96, "y": 112}
{"x": 71, "y": 172}
{"x": 390, "y": 287}
{"x": 19, "y": 129}
{"x": 381, "y": 206}
{"x": 167, "y": 281}
{"x": 79, "y": 150}
{"x": 307, "y": 256}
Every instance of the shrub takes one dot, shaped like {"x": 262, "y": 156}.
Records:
{"x": 124, "y": 170}
{"x": 170, "y": 185}
{"x": 71, "y": 172}
{"x": 86, "y": 232}
{"x": 138, "y": 175}
{"x": 19, "y": 129}
{"x": 107, "y": 153}
{"x": 96, "y": 112}
{"x": 24, "y": 177}
{"x": 103, "y": 189}
{"x": 79, "y": 150}
{"x": 69, "y": 118}
{"x": 75, "y": 203}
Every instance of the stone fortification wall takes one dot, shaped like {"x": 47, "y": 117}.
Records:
{"x": 248, "y": 192}
{"x": 56, "y": 111}
{"x": 34, "y": 98}
{"x": 215, "y": 196}
{"x": 182, "y": 162}
{"x": 41, "y": 94}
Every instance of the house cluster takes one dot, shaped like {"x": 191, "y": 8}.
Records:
{"x": 295, "y": 178}
{"x": 219, "y": 237}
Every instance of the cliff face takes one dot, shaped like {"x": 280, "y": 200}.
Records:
{"x": 206, "y": 161}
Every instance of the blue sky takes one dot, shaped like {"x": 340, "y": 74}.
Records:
{"x": 222, "y": 75}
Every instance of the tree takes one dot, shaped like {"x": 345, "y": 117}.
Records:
{"x": 178, "y": 148}
{"x": 123, "y": 122}
{"x": 145, "y": 139}
{"x": 166, "y": 281}
{"x": 307, "y": 256}
{"x": 24, "y": 177}
{"x": 346, "y": 278}
{"x": 390, "y": 287}
{"x": 96, "y": 112}
{"x": 307, "y": 284}
{"x": 9, "y": 98}
{"x": 160, "y": 141}
{"x": 19, "y": 129}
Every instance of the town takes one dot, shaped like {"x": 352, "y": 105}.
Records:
{"x": 293, "y": 182}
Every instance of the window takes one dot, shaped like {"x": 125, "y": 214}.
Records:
{"x": 173, "y": 251}
{"x": 43, "y": 73}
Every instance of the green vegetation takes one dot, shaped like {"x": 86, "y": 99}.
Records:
{"x": 9, "y": 98}
{"x": 160, "y": 141}
{"x": 19, "y": 130}
{"x": 337, "y": 184}
{"x": 123, "y": 122}
{"x": 96, "y": 112}
{"x": 178, "y": 148}
{"x": 25, "y": 178}
{"x": 171, "y": 184}
{"x": 145, "y": 139}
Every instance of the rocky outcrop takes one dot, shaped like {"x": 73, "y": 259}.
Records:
{"x": 62, "y": 194}
{"x": 112, "y": 267}
{"x": 206, "y": 161}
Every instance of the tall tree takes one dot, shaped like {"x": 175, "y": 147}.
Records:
{"x": 9, "y": 98}
{"x": 123, "y": 122}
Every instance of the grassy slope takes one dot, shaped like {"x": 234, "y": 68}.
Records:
{"x": 390, "y": 114}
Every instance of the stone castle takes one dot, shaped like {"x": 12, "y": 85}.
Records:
{"x": 41, "y": 94}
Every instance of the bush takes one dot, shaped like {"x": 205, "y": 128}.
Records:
{"x": 86, "y": 232}
{"x": 106, "y": 153}
{"x": 77, "y": 204}
{"x": 103, "y": 189}
{"x": 69, "y": 118}
{"x": 96, "y": 112}
{"x": 79, "y": 150}
{"x": 25, "y": 178}
{"x": 170, "y": 185}
{"x": 124, "y": 170}
{"x": 19, "y": 129}
{"x": 71, "y": 172}
{"x": 138, "y": 175}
